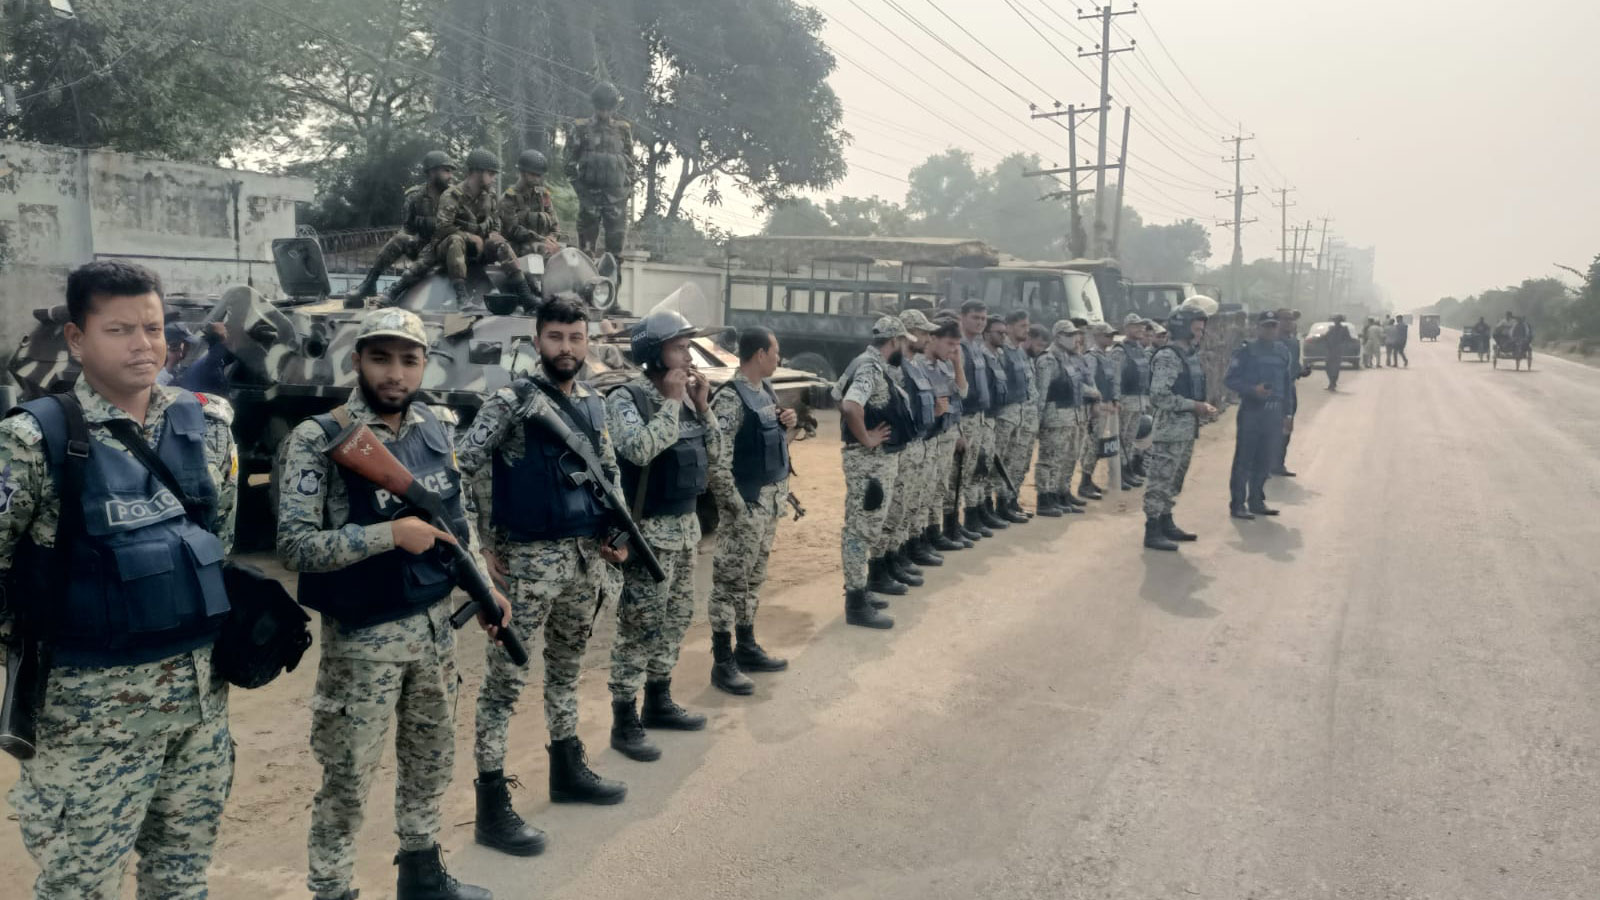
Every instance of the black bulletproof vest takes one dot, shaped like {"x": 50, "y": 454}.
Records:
{"x": 395, "y": 584}
{"x": 135, "y": 579}
{"x": 999, "y": 389}
{"x": 1016, "y": 365}
{"x": 1062, "y": 391}
{"x": 1135, "y": 370}
{"x": 978, "y": 397}
{"x": 678, "y": 475}
{"x": 760, "y": 452}
{"x": 1191, "y": 381}
{"x": 919, "y": 390}
{"x": 896, "y": 412}
{"x": 534, "y": 499}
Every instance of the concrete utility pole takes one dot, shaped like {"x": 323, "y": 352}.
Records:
{"x": 1075, "y": 240}
{"x": 1322, "y": 253}
{"x": 1105, "y": 51}
{"x": 1283, "y": 204}
{"x": 1238, "y": 195}
{"x": 1122, "y": 181}
{"x": 1299, "y": 260}
{"x": 1294, "y": 273}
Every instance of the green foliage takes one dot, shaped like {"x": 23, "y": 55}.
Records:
{"x": 864, "y": 217}
{"x": 1584, "y": 313}
{"x": 1175, "y": 252}
{"x": 1546, "y": 303}
{"x": 799, "y": 218}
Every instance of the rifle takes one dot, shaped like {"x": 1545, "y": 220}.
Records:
{"x": 26, "y": 673}
{"x": 1005, "y": 477}
{"x": 360, "y": 451}
{"x": 594, "y": 475}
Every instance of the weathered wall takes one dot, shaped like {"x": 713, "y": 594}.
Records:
{"x": 204, "y": 229}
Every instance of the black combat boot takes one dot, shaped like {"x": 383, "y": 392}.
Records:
{"x": 1067, "y": 498}
{"x": 1130, "y": 481}
{"x": 1138, "y": 464}
{"x": 1008, "y": 511}
{"x": 463, "y": 294}
{"x": 627, "y": 733}
{"x": 422, "y": 877}
{"x": 517, "y": 284}
{"x": 1171, "y": 530}
{"x": 660, "y": 711}
{"x": 1088, "y": 489}
{"x": 572, "y": 781}
{"x": 1046, "y": 505}
{"x": 858, "y": 611}
{"x": 497, "y": 824}
{"x": 751, "y": 656}
{"x": 367, "y": 287}
{"x": 904, "y": 563}
{"x": 881, "y": 581}
{"x": 920, "y": 551}
{"x": 1015, "y": 505}
{"x": 941, "y": 539}
{"x": 954, "y": 534}
{"x": 902, "y": 569}
{"x": 725, "y": 674}
{"x": 975, "y": 525}
{"x": 990, "y": 517}
{"x": 1154, "y": 539}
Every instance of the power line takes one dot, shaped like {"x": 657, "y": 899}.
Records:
{"x": 1148, "y": 24}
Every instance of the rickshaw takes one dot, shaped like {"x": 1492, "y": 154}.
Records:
{"x": 1515, "y": 349}
{"x": 1428, "y": 328}
{"x": 1473, "y": 342}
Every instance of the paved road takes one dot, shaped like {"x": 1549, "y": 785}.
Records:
{"x": 1386, "y": 693}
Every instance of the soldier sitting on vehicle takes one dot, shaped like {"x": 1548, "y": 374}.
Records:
{"x": 416, "y": 221}
{"x": 527, "y": 212}
{"x": 467, "y": 228}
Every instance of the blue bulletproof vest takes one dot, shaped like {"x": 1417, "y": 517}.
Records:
{"x": 760, "y": 452}
{"x": 1016, "y": 366}
{"x": 1266, "y": 364}
{"x": 534, "y": 499}
{"x": 919, "y": 390}
{"x": 978, "y": 397}
{"x": 1135, "y": 371}
{"x": 141, "y": 580}
{"x": 678, "y": 475}
{"x": 395, "y": 584}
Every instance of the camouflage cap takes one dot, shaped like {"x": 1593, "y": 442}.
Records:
{"x": 1157, "y": 328}
{"x": 393, "y": 323}
{"x": 1134, "y": 319}
{"x": 888, "y": 327}
{"x": 1103, "y": 329}
{"x": 914, "y": 320}
{"x": 1065, "y": 326}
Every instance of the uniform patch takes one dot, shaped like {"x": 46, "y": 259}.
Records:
{"x": 309, "y": 483}
{"x": 630, "y": 414}
{"x": 7, "y": 491}
{"x": 725, "y": 422}
{"x": 478, "y": 434}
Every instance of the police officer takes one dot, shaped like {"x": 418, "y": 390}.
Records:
{"x": 1059, "y": 399}
{"x": 1260, "y": 374}
{"x": 122, "y": 582}
{"x": 1016, "y": 424}
{"x": 897, "y": 571}
{"x": 660, "y": 423}
{"x": 1036, "y": 343}
{"x": 601, "y": 167}
{"x": 1177, "y": 392}
{"x": 1131, "y": 361}
{"x": 875, "y": 423}
{"x": 977, "y": 429}
{"x": 527, "y": 211}
{"x": 372, "y": 568}
{"x": 417, "y": 220}
{"x": 751, "y": 484}
{"x": 1087, "y": 395}
{"x": 467, "y": 228}
{"x": 922, "y": 382}
{"x": 1001, "y": 406}
{"x": 940, "y": 357}
{"x": 550, "y": 537}
{"x": 1107, "y": 377}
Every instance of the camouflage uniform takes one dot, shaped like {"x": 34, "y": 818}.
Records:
{"x": 745, "y": 531}
{"x": 907, "y": 480}
{"x": 1081, "y": 440}
{"x": 555, "y": 585}
{"x": 653, "y": 616}
{"x": 461, "y": 214}
{"x": 978, "y": 427}
{"x": 1124, "y": 356}
{"x": 1019, "y": 456}
{"x": 942, "y": 457}
{"x": 404, "y": 671}
{"x": 1177, "y": 426}
{"x": 528, "y": 215}
{"x": 128, "y": 757}
{"x": 418, "y": 220}
{"x": 601, "y": 167}
{"x": 867, "y": 384}
{"x": 1057, "y": 425}
{"x": 1102, "y": 372}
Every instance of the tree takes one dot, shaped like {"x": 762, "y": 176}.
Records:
{"x": 1010, "y": 213}
{"x": 943, "y": 193}
{"x": 1162, "y": 252}
{"x": 798, "y": 218}
{"x": 869, "y": 216}
{"x": 1585, "y": 310}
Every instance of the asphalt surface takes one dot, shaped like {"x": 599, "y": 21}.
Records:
{"x": 1384, "y": 693}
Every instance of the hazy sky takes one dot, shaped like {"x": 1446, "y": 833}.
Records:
{"x": 1459, "y": 138}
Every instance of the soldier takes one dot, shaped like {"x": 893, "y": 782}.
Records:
{"x": 417, "y": 220}
{"x": 1000, "y": 401}
{"x": 874, "y": 419}
{"x": 467, "y": 228}
{"x": 944, "y": 352}
{"x": 117, "y": 568}
{"x": 1087, "y": 395}
{"x": 1259, "y": 373}
{"x": 975, "y": 424}
{"x": 1058, "y": 400}
{"x": 751, "y": 485}
{"x": 1177, "y": 392}
{"x": 1158, "y": 337}
{"x": 1289, "y": 335}
{"x": 601, "y": 167}
{"x": 1131, "y": 361}
{"x": 901, "y": 561}
{"x": 370, "y": 566}
{"x": 660, "y": 423}
{"x": 1015, "y": 424}
{"x": 1102, "y": 368}
{"x": 1035, "y": 345}
{"x": 548, "y": 535}
{"x": 527, "y": 213}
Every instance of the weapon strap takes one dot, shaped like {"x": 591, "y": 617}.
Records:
{"x": 569, "y": 412}
{"x": 127, "y": 432}
{"x": 641, "y": 402}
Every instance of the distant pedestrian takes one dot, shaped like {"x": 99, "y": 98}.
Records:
{"x": 1397, "y": 346}
{"x": 1334, "y": 343}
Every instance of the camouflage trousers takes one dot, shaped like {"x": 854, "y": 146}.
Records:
{"x": 869, "y": 478}
{"x": 403, "y": 244}
{"x": 597, "y": 209}
{"x": 93, "y": 796}
{"x": 941, "y": 466}
{"x": 556, "y": 587}
{"x": 1133, "y": 406}
{"x": 1056, "y": 452}
{"x": 354, "y": 703}
{"x": 744, "y": 543}
{"x": 1019, "y": 452}
{"x": 978, "y": 429}
{"x": 1089, "y": 454}
{"x": 651, "y": 620}
{"x": 1007, "y": 434}
{"x": 1166, "y": 465}
{"x": 457, "y": 250}
{"x": 908, "y": 472}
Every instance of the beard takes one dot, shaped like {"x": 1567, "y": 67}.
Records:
{"x": 896, "y": 358}
{"x": 379, "y": 405}
{"x": 561, "y": 369}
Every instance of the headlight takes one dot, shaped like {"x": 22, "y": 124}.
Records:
{"x": 600, "y": 294}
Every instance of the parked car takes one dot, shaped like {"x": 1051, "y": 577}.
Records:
{"x": 1313, "y": 350}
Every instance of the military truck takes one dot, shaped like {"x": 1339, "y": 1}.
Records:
{"x": 820, "y": 295}
{"x": 1157, "y": 299}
